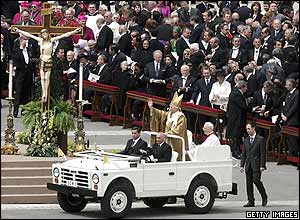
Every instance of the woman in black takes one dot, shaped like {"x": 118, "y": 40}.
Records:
{"x": 143, "y": 54}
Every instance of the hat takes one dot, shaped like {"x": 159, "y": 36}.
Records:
{"x": 176, "y": 101}
{"x": 220, "y": 72}
{"x": 82, "y": 17}
{"x": 36, "y": 3}
{"x": 25, "y": 5}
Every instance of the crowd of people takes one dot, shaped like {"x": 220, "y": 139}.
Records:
{"x": 230, "y": 55}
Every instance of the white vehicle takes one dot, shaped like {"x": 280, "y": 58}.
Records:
{"x": 116, "y": 180}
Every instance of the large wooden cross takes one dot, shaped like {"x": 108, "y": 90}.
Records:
{"x": 46, "y": 12}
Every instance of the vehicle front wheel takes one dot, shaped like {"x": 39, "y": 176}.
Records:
{"x": 70, "y": 203}
{"x": 200, "y": 197}
{"x": 116, "y": 202}
{"x": 155, "y": 202}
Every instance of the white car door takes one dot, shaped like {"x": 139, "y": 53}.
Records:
{"x": 159, "y": 176}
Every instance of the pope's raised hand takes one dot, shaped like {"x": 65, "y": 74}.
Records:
{"x": 150, "y": 103}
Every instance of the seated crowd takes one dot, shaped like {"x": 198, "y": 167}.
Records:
{"x": 240, "y": 58}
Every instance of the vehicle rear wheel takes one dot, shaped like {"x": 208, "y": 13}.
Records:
{"x": 200, "y": 197}
{"x": 71, "y": 203}
{"x": 116, "y": 202}
{"x": 155, "y": 202}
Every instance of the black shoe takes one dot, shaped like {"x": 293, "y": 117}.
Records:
{"x": 249, "y": 204}
{"x": 264, "y": 202}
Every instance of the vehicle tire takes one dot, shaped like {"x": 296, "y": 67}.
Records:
{"x": 70, "y": 203}
{"x": 200, "y": 197}
{"x": 155, "y": 202}
{"x": 116, "y": 202}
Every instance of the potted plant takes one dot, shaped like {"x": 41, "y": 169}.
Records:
{"x": 48, "y": 129}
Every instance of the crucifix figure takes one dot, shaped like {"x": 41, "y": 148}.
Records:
{"x": 46, "y": 43}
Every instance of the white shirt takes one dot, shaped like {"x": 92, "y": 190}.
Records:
{"x": 135, "y": 141}
{"x": 25, "y": 54}
{"x": 235, "y": 52}
{"x": 186, "y": 40}
{"x": 2, "y": 53}
{"x": 211, "y": 140}
{"x": 205, "y": 44}
{"x": 256, "y": 53}
{"x": 222, "y": 90}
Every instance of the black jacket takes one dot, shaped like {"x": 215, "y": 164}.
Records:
{"x": 105, "y": 38}
{"x": 163, "y": 153}
{"x": 291, "y": 108}
{"x": 201, "y": 87}
{"x": 135, "y": 150}
{"x": 236, "y": 114}
{"x": 254, "y": 155}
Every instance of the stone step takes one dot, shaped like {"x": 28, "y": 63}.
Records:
{"x": 29, "y": 163}
{"x": 25, "y": 171}
{"x": 25, "y": 180}
{"x": 29, "y": 198}
{"x": 25, "y": 189}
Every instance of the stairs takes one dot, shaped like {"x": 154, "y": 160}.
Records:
{"x": 24, "y": 179}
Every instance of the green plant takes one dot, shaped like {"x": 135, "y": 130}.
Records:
{"x": 23, "y": 138}
{"x": 63, "y": 116}
{"x": 45, "y": 126}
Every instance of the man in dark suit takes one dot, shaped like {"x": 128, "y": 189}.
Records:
{"x": 202, "y": 88}
{"x": 232, "y": 5}
{"x": 135, "y": 144}
{"x": 251, "y": 80}
{"x": 125, "y": 41}
{"x": 238, "y": 54}
{"x": 116, "y": 57}
{"x": 236, "y": 117}
{"x": 183, "y": 42}
{"x": 276, "y": 32}
{"x": 222, "y": 35}
{"x": 290, "y": 115}
{"x": 253, "y": 162}
{"x": 202, "y": 7}
{"x": 183, "y": 84}
{"x": 105, "y": 36}
{"x": 23, "y": 74}
{"x": 197, "y": 29}
{"x": 217, "y": 56}
{"x": 267, "y": 40}
{"x": 262, "y": 101}
{"x": 244, "y": 11}
{"x": 160, "y": 151}
{"x": 155, "y": 75}
{"x": 257, "y": 52}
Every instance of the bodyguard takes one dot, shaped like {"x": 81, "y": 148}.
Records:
{"x": 253, "y": 161}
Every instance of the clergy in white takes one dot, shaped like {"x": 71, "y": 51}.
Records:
{"x": 211, "y": 139}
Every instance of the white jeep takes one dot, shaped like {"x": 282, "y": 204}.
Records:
{"x": 116, "y": 180}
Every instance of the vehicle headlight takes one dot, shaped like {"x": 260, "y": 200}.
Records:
{"x": 95, "y": 178}
{"x": 56, "y": 172}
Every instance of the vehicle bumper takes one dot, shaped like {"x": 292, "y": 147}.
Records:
{"x": 71, "y": 190}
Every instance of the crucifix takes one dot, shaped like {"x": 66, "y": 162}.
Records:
{"x": 46, "y": 43}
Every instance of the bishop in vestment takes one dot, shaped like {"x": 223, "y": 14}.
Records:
{"x": 170, "y": 122}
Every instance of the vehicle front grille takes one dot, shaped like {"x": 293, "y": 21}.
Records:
{"x": 80, "y": 177}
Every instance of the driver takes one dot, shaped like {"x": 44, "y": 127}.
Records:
{"x": 160, "y": 151}
{"x": 134, "y": 145}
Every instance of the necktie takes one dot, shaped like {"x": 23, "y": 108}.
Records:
{"x": 206, "y": 81}
{"x": 251, "y": 140}
{"x": 265, "y": 98}
{"x": 156, "y": 69}
{"x": 133, "y": 143}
